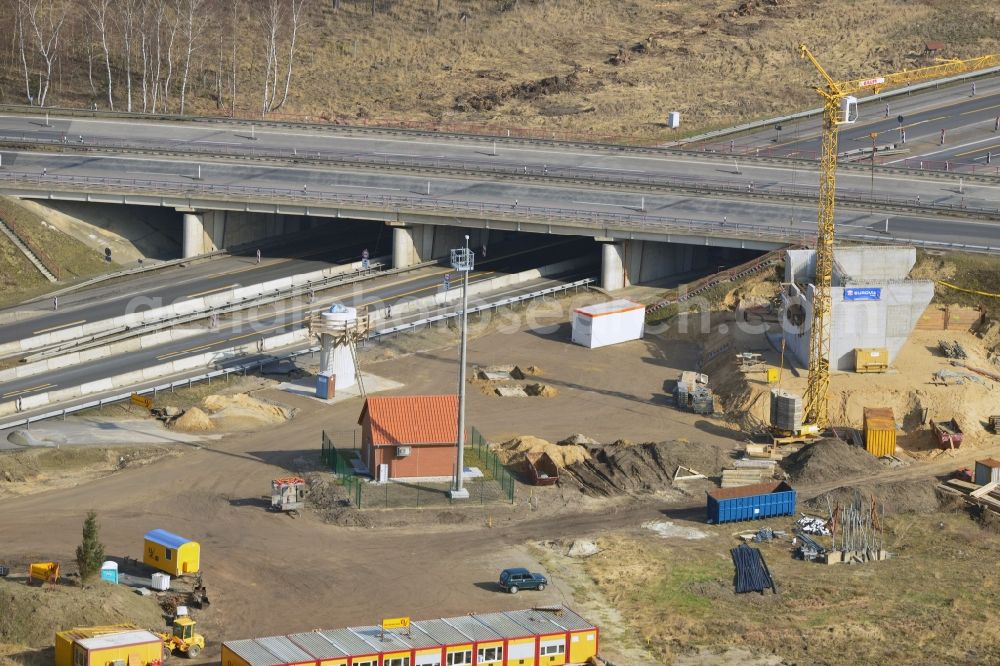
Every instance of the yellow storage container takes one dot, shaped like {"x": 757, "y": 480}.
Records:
{"x": 772, "y": 375}
{"x": 871, "y": 359}
{"x": 104, "y": 646}
{"x": 880, "y": 431}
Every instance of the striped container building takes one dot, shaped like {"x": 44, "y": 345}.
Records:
{"x": 539, "y": 637}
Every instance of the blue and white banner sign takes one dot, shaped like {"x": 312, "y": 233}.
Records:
{"x": 862, "y": 293}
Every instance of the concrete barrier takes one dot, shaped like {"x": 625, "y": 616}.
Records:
{"x": 178, "y": 309}
{"x": 134, "y": 377}
{"x": 97, "y": 353}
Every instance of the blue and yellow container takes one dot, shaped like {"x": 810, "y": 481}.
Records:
{"x": 171, "y": 553}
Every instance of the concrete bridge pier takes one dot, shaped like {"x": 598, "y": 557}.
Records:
{"x": 194, "y": 233}
{"x": 416, "y": 243}
{"x": 613, "y": 273}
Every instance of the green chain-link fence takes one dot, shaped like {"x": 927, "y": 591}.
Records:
{"x": 497, "y": 485}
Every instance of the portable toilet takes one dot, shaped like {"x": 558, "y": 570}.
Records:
{"x": 109, "y": 572}
{"x": 171, "y": 553}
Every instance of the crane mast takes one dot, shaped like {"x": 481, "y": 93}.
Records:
{"x": 840, "y": 107}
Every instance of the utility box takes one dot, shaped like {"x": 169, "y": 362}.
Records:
{"x": 987, "y": 471}
{"x": 326, "y": 385}
{"x": 759, "y": 500}
{"x": 871, "y": 359}
{"x": 608, "y": 323}
{"x": 674, "y": 119}
{"x": 880, "y": 431}
{"x": 160, "y": 581}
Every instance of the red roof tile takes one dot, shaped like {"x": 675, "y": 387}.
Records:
{"x": 412, "y": 419}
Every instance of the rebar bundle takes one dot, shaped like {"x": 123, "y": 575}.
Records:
{"x": 859, "y": 525}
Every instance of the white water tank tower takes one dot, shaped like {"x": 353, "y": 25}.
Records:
{"x": 335, "y": 355}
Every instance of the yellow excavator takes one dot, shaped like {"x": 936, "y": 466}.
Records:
{"x": 184, "y": 639}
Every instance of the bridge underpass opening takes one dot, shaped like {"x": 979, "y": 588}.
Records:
{"x": 659, "y": 264}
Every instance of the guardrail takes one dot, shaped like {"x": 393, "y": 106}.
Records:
{"x": 261, "y": 361}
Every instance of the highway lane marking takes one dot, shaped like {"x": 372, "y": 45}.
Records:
{"x": 985, "y": 108}
{"x": 944, "y": 150}
{"x": 212, "y": 291}
{"x": 56, "y": 328}
{"x": 478, "y": 278}
{"x": 977, "y": 150}
{"x": 600, "y": 168}
{"x": 597, "y": 203}
{"x": 11, "y": 394}
{"x": 187, "y": 351}
{"x": 368, "y": 187}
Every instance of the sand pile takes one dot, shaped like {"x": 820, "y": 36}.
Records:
{"x": 622, "y": 467}
{"x": 512, "y": 452}
{"x": 244, "y": 412}
{"x": 541, "y": 390}
{"x": 828, "y": 460}
{"x": 194, "y": 420}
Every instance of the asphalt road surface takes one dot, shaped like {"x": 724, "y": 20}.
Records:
{"x": 969, "y": 122}
{"x": 169, "y": 285}
{"x": 375, "y": 293}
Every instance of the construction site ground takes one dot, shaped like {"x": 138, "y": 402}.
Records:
{"x": 653, "y": 597}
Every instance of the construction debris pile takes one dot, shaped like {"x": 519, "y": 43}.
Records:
{"x": 752, "y": 574}
{"x": 952, "y": 349}
{"x": 565, "y": 453}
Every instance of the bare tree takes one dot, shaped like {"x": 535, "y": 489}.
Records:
{"x": 126, "y": 17}
{"x": 98, "y": 12}
{"x": 193, "y": 11}
{"x": 24, "y": 58}
{"x": 46, "y": 18}
{"x": 270, "y": 20}
{"x": 297, "y": 7}
{"x": 174, "y": 27}
{"x": 157, "y": 10}
{"x": 336, "y": 5}
{"x": 234, "y": 71}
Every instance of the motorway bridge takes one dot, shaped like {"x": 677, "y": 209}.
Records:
{"x": 637, "y": 201}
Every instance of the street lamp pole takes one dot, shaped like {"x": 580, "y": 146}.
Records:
{"x": 871, "y": 195}
{"x": 462, "y": 260}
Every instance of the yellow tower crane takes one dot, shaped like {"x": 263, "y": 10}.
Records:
{"x": 840, "y": 107}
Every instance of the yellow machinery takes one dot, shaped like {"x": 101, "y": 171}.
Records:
{"x": 184, "y": 639}
{"x": 840, "y": 107}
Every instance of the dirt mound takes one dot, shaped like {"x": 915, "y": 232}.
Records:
{"x": 244, "y": 412}
{"x": 32, "y": 616}
{"x": 637, "y": 468}
{"x": 918, "y": 496}
{"x": 194, "y": 420}
{"x": 827, "y": 460}
{"x": 328, "y": 499}
{"x": 512, "y": 452}
{"x": 527, "y": 91}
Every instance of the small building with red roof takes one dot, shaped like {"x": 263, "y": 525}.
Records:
{"x": 414, "y": 436}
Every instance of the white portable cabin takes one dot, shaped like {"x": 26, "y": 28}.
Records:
{"x": 608, "y": 323}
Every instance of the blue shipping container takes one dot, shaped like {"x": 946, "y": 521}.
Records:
{"x": 760, "y": 500}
